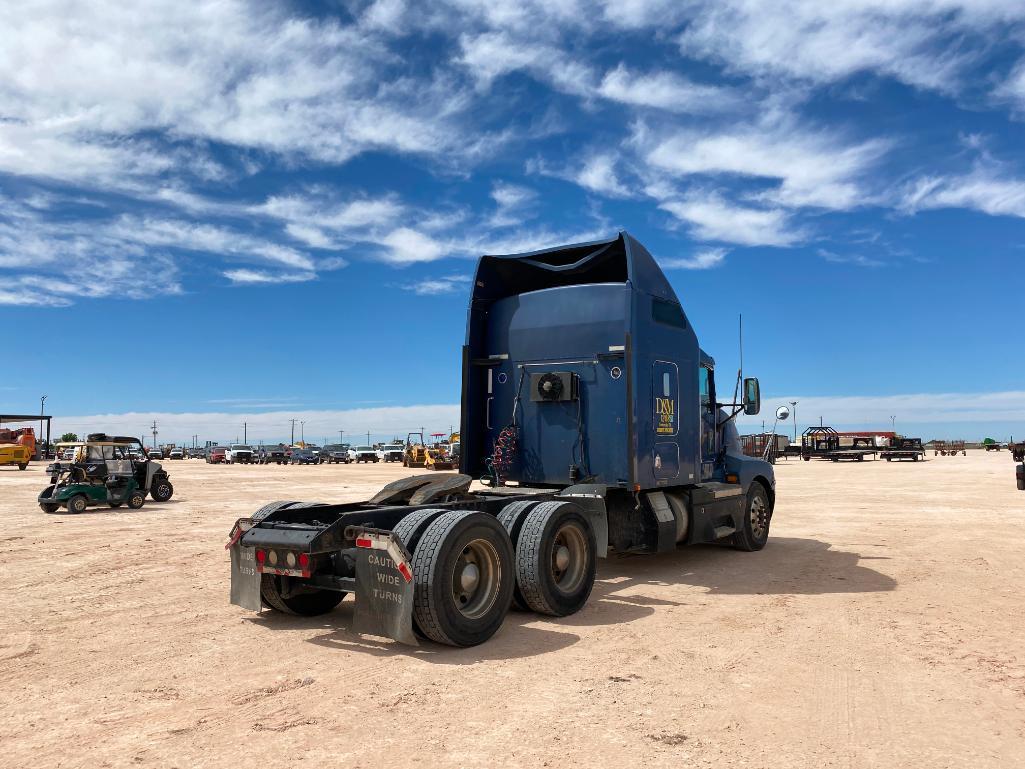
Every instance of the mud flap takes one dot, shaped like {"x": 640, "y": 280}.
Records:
{"x": 384, "y": 594}
{"x": 245, "y": 579}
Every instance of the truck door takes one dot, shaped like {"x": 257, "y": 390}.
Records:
{"x": 709, "y": 418}
{"x": 665, "y": 399}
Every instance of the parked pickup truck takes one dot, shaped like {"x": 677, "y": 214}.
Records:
{"x": 239, "y": 453}
{"x": 335, "y": 453}
{"x": 363, "y": 454}
{"x": 215, "y": 455}
{"x": 391, "y": 453}
{"x": 272, "y": 455}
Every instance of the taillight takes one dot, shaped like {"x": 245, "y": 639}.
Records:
{"x": 290, "y": 560}
{"x": 273, "y": 557}
{"x": 304, "y": 560}
{"x": 261, "y": 556}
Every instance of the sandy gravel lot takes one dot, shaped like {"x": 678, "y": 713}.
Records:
{"x": 881, "y": 627}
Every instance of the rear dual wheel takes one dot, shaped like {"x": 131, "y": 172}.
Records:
{"x": 463, "y": 576}
{"x": 556, "y": 559}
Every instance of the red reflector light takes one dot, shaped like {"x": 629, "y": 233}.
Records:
{"x": 405, "y": 572}
{"x": 261, "y": 556}
{"x": 304, "y": 560}
{"x": 364, "y": 542}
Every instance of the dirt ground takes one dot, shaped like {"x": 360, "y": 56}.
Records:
{"x": 881, "y": 627}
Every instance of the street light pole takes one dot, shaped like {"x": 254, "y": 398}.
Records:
{"x": 893, "y": 424}
{"x": 302, "y": 432}
{"x": 794, "y": 404}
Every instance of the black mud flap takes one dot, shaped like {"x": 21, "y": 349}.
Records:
{"x": 245, "y": 579}
{"x": 384, "y": 594}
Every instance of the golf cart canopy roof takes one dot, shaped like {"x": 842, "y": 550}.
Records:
{"x": 107, "y": 440}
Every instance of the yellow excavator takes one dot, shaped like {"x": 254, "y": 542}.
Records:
{"x": 17, "y": 447}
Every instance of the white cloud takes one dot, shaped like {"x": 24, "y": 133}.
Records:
{"x": 514, "y": 203}
{"x": 407, "y": 246}
{"x": 812, "y": 168}
{"x": 910, "y": 409}
{"x": 665, "y": 90}
{"x": 245, "y": 276}
{"x": 710, "y": 217}
{"x": 983, "y": 189}
{"x": 859, "y": 260}
{"x": 705, "y": 259}
{"x": 925, "y": 43}
{"x": 449, "y": 284}
{"x": 269, "y": 426}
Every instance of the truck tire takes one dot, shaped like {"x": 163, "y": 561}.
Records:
{"x": 23, "y": 465}
{"x": 78, "y": 504}
{"x": 754, "y": 531}
{"x": 556, "y": 559}
{"x": 411, "y": 528}
{"x": 462, "y": 578}
{"x": 308, "y": 603}
{"x": 512, "y": 517}
{"x": 271, "y": 507}
{"x": 162, "y": 490}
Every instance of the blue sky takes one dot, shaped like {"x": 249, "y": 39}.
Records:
{"x": 238, "y": 210}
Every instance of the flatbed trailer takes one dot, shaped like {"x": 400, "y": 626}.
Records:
{"x": 605, "y": 437}
{"x": 904, "y": 448}
{"x": 854, "y": 455}
{"x": 949, "y": 448}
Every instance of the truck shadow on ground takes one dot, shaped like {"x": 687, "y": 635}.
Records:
{"x": 515, "y": 639}
{"x": 787, "y": 566}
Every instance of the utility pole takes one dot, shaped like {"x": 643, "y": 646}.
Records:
{"x": 292, "y": 442}
{"x": 794, "y": 404}
{"x": 302, "y": 432}
{"x": 368, "y": 437}
{"x": 42, "y": 402}
{"x": 153, "y": 427}
{"x": 893, "y": 424}
{"x": 245, "y": 434}
{"x": 340, "y": 434}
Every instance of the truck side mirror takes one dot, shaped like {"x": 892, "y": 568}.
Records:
{"x": 752, "y": 397}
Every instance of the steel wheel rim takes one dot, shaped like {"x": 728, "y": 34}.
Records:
{"x": 569, "y": 558}
{"x": 759, "y": 515}
{"x": 476, "y": 578}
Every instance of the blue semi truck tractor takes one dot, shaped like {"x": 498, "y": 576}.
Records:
{"x": 590, "y": 416}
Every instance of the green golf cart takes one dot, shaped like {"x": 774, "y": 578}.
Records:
{"x": 103, "y": 470}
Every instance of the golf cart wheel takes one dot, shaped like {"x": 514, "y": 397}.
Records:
{"x": 303, "y": 602}
{"x": 78, "y": 504}
{"x": 162, "y": 490}
{"x": 463, "y": 578}
{"x": 48, "y": 507}
{"x": 136, "y": 500}
{"x": 754, "y": 532}
{"x": 556, "y": 558}
{"x": 512, "y": 517}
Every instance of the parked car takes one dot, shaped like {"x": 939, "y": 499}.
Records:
{"x": 391, "y": 453}
{"x": 195, "y": 454}
{"x": 363, "y": 454}
{"x": 176, "y": 454}
{"x": 335, "y": 453}
{"x": 272, "y": 455}
{"x": 215, "y": 455}
{"x": 155, "y": 454}
{"x": 303, "y": 457}
{"x": 239, "y": 453}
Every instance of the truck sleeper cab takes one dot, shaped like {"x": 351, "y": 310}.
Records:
{"x": 589, "y": 410}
